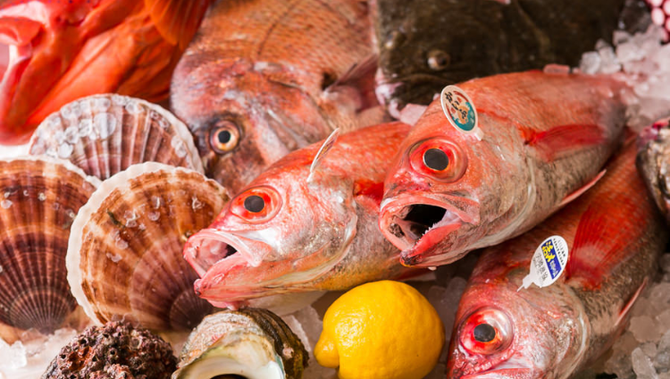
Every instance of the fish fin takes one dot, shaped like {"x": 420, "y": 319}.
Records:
{"x": 582, "y": 189}
{"x": 629, "y": 304}
{"x": 563, "y": 138}
{"x": 598, "y": 240}
{"x": 177, "y": 20}
{"x": 323, "y": 151}
{"x": 18, "y": 31}
{"x": 371, "y": 190}
{"x": 360, "y": 77}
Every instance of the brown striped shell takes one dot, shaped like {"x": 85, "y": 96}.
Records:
{"x": 39, "y": 198}
{"x": 105, "y": 134}
{"x": 248, "y": 343}
{"x": 125, "y": 252}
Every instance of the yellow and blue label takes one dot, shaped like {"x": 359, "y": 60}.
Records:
{"x": 549, "y": 255}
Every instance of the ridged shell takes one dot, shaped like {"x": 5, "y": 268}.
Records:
{"x": 39, "y": 198}
{"x": 105, "y": 134}
{"x": 220, "y": 332}
{"x": 124, "y": 257}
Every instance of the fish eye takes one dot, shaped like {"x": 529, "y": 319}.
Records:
{"x": 224, "y": 137}
{"x": 254, "y": 203}
{"x": 486, "y": 331}
{"x": 257, "y": 204}
{"x": 438, "y": 60}
{"x": 438, "y": 158}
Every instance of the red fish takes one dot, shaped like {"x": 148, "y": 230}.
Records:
{"x": 614, "y": 235}
{"x": 541, "y": 140}
{"x": 59, "y": 51}
{"x": 303, "y": 226}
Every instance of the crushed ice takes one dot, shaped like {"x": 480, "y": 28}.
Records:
{"x": 29, "y": 359}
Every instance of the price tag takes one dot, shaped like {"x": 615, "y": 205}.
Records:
{"x": 548, "y": 262}
{"x": 459, "y": 109}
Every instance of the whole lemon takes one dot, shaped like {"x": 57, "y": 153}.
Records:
{"x": 378, "y": 330}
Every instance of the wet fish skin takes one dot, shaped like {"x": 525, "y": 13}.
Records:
{"x": 615, "y": 236}
{"x": 270, "y": 73}
{"x": 653, "y": 161}
{"x": 425, "y": 45}
{"x": 317, "y": 235}
{"x": 63, "y": 50}
{"x": 545, "y": 136}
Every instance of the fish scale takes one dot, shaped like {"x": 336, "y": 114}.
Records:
{"x": 611, "y": 258}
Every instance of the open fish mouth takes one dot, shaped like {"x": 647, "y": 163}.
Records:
{"x": 416, "y": 228}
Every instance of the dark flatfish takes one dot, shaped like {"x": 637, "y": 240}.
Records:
{"x": 427, "y": 44}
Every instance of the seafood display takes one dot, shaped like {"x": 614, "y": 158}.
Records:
{"x": 534, "y": 142}
{"x": 39, "y": 199}
{"x": 263, "y": 78}
{"x": 124, "y": 257}
{"x": 505, "y": 329}
{"x": 105, "y": 134}
{"x": 653, "y": 161}
{"x": 114, "y": 350}
{"x": 307, "y": 223}
{"x": 276, "y": 177}
{"x": 60, "y": 51}
{"x": 425, "y": 45}
{"x": 249, "y": 343}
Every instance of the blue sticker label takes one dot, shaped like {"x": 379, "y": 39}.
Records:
{"x": 549, "y": 254}
{"x": 459, "y": 109}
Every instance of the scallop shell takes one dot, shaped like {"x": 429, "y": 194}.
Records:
{"x": 124, "y": 258}
{"x": 39, "y": 198}
{"x": 248, "y": 343}
{"x": 105, "y": 134}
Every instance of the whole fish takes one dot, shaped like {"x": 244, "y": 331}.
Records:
{"x": 60, "y": 51}
{"x": 653, "y": 161}
{"x": 541, "y": 139}
{"x": 263, "y": 78}
{"x": 425, "y": 45}
{"x": 308, "y": 223}
{"x": 614, "y": 236}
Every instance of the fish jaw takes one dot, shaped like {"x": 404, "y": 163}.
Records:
{"x": 427, "y": 228}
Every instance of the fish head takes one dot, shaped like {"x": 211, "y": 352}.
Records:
{"x": 244, "y": 115}
{"x": 279, "y": 232}
{"x": 653, "y": 160}
{"x": 504, "y": 333}
{"x": 430, "y": 47}
{"x": 39, "y": 40}
{"x": 439, "y": 190}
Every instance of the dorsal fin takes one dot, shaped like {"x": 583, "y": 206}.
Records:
{"x": 323, "y": 151}
{"x": 177, "y": 20}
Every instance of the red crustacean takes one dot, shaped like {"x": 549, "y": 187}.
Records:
{"x": 56, "y": 51}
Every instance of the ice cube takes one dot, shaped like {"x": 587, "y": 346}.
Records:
{"x": 310, "y": 322}
{"x": 642, "y": 365}
{"x": 590, "y": 63}
{"x": 664, "y": 375}
{"x": 308, "y": 315}
{"x": 644, "y": 329}
{"x": 664, "y": 318}
{"x": 620, "y": 364}
{"x": 649, "y": 349}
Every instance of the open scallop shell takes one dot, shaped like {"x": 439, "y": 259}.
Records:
{"x": 39, "y": 198}
{"x": 105, "y": 134}
{"x": 124, "y": 258}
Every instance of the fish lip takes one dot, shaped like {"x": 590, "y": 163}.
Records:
{"x": 201, "y": 265}
{"x": 416, "y": 253}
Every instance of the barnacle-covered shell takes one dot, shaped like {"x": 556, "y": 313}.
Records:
{"x": 39, "y": 198}
{"x": 251, "y": 343}
{"x": 105, "y": 134}
{"x": 124, "y": 257}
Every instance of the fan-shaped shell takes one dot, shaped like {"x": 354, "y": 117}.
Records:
{"x": 124, "y": 257}
{"x": 39, "y": 198}
{"x": 105, "y": 134}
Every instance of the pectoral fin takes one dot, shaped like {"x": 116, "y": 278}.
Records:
{"x": 582, "y": 189}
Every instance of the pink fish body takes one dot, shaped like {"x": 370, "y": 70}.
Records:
{"x": 540, "y": 139}
{"x": 614, "y": 236}
{"x": 297, "y": 228}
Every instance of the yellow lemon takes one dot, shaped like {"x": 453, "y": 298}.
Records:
{"x": 381, "y": 330}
